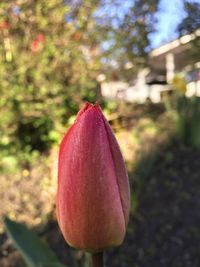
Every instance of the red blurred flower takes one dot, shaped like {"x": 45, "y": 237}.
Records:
{"x": 77, "y": 36}
{"x": 40, "y": 38}
{"x": 4, "y": 25}
{"x": 93, "y": 188}
{"x": 34, "y": 46}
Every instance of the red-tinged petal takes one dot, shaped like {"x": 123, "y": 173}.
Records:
{"x": 90, "y": 200}
{"x": 120, "y": 170}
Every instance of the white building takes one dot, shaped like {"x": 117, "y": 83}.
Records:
{"x": 164, "y": 62}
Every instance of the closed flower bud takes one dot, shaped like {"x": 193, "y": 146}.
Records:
{"x": 93, "y": 198}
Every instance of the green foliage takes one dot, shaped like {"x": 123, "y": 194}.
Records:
{"x": 188, "y": 123}
{"x": 35, "y": 252}
{"x": 51, "y": 54}
{"x": 48, "y": 67}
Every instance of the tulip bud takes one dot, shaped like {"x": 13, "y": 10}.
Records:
{"x": 93, "y": 198}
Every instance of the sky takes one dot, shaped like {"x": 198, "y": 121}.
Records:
{"x": 171, "y": 12}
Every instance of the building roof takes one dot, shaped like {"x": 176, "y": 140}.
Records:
{"x": 180, "y": 48}
{"x": 174, "y": 44}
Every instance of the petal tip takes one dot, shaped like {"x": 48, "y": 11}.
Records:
{"x": 88, "y": 106}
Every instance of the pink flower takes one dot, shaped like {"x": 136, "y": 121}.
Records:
{"x": 93, "y": 198}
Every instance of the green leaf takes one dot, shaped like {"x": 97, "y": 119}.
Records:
{"x": 35, "y": 252}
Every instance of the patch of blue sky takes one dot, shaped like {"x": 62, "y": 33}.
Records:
{"x": 114, "y": 12}
{"x": 169, "y": 16}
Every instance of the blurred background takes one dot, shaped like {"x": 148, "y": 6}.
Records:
{"x": 140, "y": 59}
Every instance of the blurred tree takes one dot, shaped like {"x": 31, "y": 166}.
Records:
{"x": 191, "y": 21}
{"x": 127, "y": 26}
{"x": 190, "y": 24}
{"x": 51, "y": 54}
{"x": 49, "y": 63}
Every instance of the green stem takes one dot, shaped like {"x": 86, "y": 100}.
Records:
{"x": 97, "y": 259}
